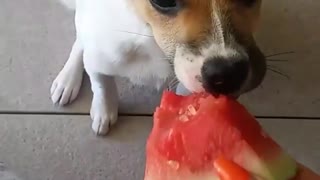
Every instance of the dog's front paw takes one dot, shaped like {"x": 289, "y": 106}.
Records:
{"x": 66, "y": 86}
{"x": 104, "y": 114}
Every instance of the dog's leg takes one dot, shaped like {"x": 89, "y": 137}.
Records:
{"x": 104, "y": 107}
{"x": 66, "y": 86}
{"x": 181, "y": 90}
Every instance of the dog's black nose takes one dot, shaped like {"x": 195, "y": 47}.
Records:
{"x": 224, "y": 75}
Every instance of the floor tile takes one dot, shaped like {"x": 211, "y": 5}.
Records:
{"x": 40, "y": 147}
{"x": 36, "y": 39}
{"x": 298, "y": 137}
{"x": 64, "y": 147}
{"x": 289, "y": 25}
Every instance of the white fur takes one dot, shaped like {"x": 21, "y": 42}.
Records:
{"x": 121, "y": 41}
{"x": 66, "y": 86}
{"x": 113, "y": 42}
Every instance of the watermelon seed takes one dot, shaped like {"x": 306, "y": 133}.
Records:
{"x": 174, "y": 164}
{"x": 192, "y": 110}
{"x": 170, "y": 134}
{"x": 184, "y": 118}
{"x": 180, "y": 111}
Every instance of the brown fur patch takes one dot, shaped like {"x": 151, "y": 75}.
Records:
{"x": 194, "y": 22}
{"x": 246, "y": 20}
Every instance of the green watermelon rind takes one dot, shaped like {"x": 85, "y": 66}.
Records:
{"x": 281, "y": 167}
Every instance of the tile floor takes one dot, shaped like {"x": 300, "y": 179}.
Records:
{"x": 39, "y": 141}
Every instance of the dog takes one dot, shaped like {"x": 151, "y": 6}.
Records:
{"x": 208, "y": 45}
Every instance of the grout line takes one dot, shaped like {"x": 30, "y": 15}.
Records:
{"x": 61, "y": 113}
{"x": 138, "y": 114}
{"x": 288, "y": 117}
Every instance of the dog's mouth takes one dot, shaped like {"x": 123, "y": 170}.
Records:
{"x": 231, "y": 73}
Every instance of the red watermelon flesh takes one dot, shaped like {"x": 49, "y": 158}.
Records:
{"x": 191, "y": 132}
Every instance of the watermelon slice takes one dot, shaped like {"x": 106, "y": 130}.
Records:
{"x": 191, "y": 133}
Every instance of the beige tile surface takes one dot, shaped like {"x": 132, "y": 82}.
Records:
{"x": 36, "y": 37}
{"x": 64, "y": 148}
{"x": 289, "y": 25}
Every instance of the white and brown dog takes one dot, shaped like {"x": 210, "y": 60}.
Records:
{"x": 208, "y": 44}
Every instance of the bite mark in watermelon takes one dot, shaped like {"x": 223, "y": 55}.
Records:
{"x": 190, "y": 133}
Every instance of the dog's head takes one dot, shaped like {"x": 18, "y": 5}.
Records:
{"x": 210, "y": 41}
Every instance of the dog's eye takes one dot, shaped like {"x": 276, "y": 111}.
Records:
{"x": 248, "y": 2}
{"x": 166, "y": 6}
{"x": 165, "y": 3}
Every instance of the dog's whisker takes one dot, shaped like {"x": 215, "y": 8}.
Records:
{"x": 136, "y": 33}
{"x": 273, "y": 66}
{"x": 166, "y": 58}
{"x": 278, "y": 54}
{"x": 174, "y": 81}
{"x": 174, "y": 86}
{"x": 278, "y": 72}
{"x": 277, "y": 60}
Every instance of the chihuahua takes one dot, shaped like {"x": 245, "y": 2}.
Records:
{"x": 208, "y": 45}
